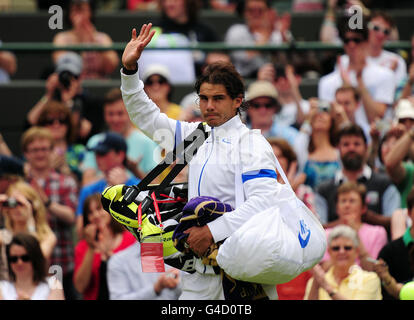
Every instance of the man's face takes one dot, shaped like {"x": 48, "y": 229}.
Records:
{"x": 346, "y": 99}
{"x": 349, "y": 206}
{"x": 355, "y": 45}
{"x": 261, "y": 111}
{"x": 255, "y": 12}
{"x": 216, "y": 105}
{"x": 174, "y": 9}
{"x": 109, "y": 160}
{"x": 353, "y": 151}
{"x": 38, "y": 153}
{"x": 379, "y": 31}
{"x": 116, "y": 117}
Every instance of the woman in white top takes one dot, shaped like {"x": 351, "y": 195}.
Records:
{"x": 27, "y": 272}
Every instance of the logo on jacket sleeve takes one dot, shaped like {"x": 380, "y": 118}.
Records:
{"x": 304, "y": 234}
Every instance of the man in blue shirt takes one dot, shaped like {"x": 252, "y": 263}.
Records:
{"x": 110, "y": 154}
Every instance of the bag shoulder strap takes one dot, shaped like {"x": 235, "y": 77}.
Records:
{"x": 181, "y": 155}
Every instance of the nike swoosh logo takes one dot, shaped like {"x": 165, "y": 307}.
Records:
{"x": 304, "y": 234}
{"x": 226, "y": 141}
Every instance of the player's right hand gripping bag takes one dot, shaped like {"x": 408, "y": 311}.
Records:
{"x": 275, "y": 245}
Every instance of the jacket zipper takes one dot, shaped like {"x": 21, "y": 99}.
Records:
{"x": 202, "y": 169}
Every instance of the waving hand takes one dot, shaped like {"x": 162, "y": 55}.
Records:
{"x": 136, "y": 45}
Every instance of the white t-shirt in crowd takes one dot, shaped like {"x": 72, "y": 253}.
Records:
{"x": 386, "y": 59}
{"x": 378, "y": 80}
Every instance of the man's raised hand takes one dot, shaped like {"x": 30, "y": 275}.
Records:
{"x": 136, "y": 45}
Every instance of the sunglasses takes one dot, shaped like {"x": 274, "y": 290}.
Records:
{"x": 355, "y": 40}
{"x": 51, "y": 121}
{"x": 347, "y": 248}
{"x": 151, "y": 82}
{"x": 24, "y": 258}
{"x": 376, "y": 28}
{"x": 256, "y": 105}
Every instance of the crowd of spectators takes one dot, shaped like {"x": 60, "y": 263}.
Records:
{"x": 348, "y": 152}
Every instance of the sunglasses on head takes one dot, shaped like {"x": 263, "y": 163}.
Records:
{"x": 257, "y": 105}
{"x": 376, "y": 28}
{"x": 347, "y": 248}
{"x": 354, "y": 39}
{"x": 151, "y": 82}
{"x": 24, "y": 258}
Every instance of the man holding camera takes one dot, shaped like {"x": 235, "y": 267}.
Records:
{"x": 65, "y": 85}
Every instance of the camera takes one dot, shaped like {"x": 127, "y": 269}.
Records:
{"x": 65, "y": 78}
{"x": 68, "y": 67}
{"x": 324, "y": 106}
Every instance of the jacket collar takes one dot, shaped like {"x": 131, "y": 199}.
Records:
{"x": 365, "y": 175}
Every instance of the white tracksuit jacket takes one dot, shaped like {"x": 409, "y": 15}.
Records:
{"x": 230, "y": 154}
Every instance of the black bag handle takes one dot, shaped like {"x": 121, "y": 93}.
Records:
{"x": 181, "y": 155}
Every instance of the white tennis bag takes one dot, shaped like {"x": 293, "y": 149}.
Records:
{"x": 276, "y": 245}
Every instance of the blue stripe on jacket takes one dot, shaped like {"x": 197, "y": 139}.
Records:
{"x": 263, "y": 173}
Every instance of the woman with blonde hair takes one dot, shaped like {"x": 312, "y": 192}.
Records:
{"x": 25, "y": 212}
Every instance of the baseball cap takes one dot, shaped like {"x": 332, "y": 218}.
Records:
{"x": 11, "y": 165}
{"x": 110, "y": 141}
{"x": 404, "y": 109}
{"x": 71, "y": 62}
{"x": 156, "y": 69}
{"x": 261, "y": 88}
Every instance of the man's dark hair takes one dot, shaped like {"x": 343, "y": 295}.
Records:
{"x": 351, "y": 130}
{"x": 223, "y": 73}
{"x": 384, "y": 15}
{"x": 112, "y": 96}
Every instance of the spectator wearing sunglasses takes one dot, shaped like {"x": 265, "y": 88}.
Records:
{"x": 158, "y": 87}
{"x": 344, "y": 280}
{"x": 66, "y": 154}
{"x": 350, "y": 208}
{"x": 28, "y": 272}
{"x": 375, "y": 83}
{"x": 262, "y": 98}
{"x": 381, "y": 26}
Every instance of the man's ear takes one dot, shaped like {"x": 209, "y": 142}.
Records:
{"x": 237, "y": 102}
